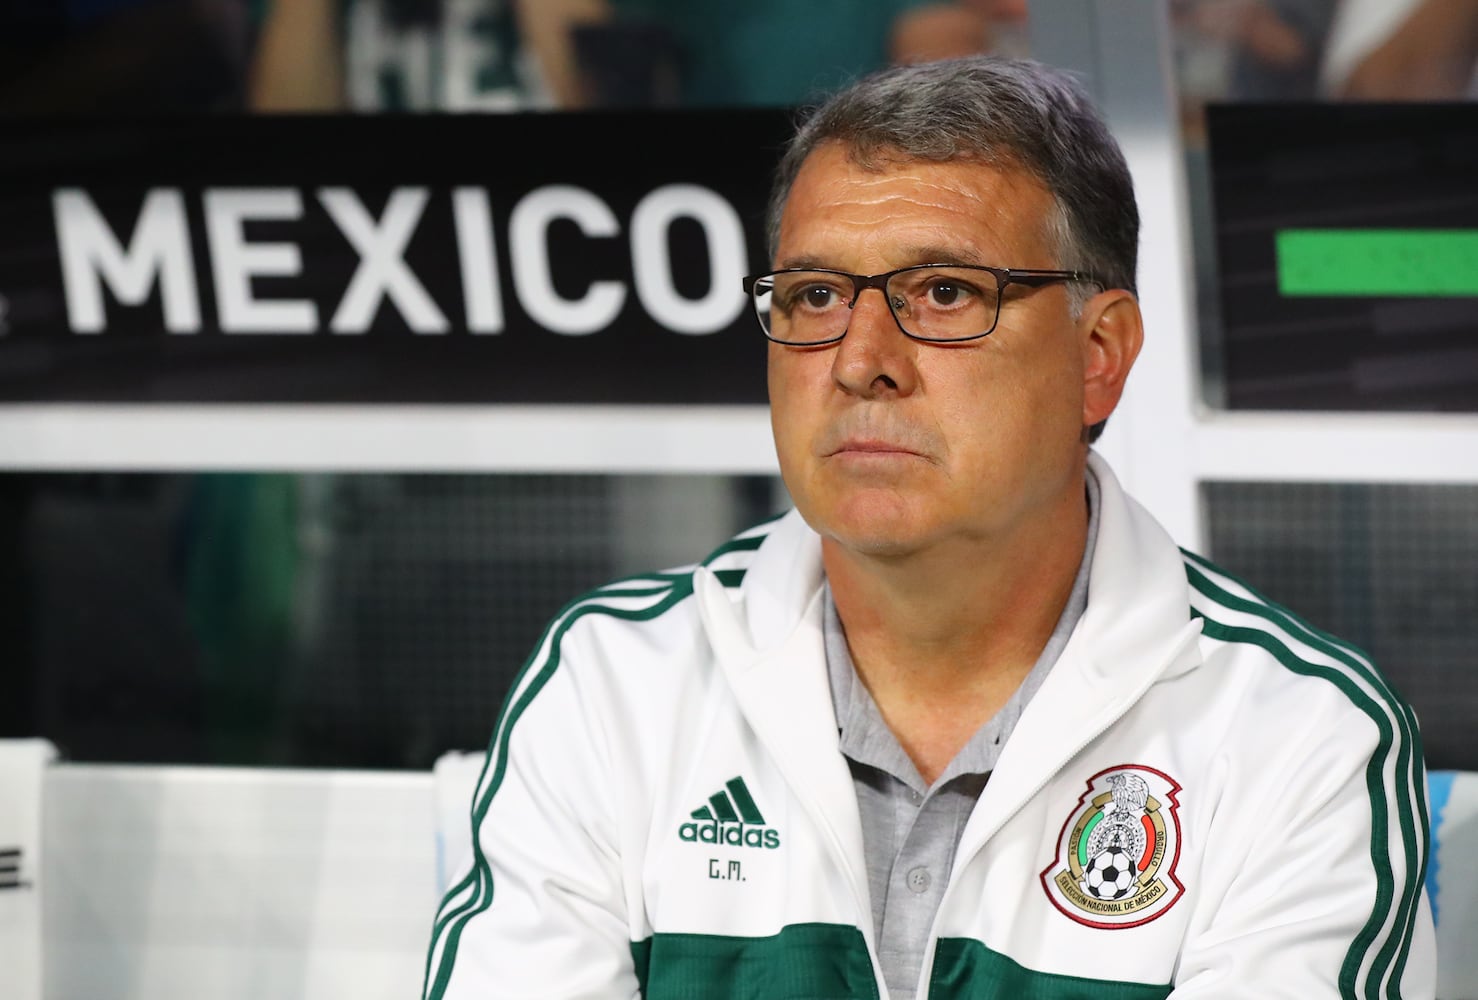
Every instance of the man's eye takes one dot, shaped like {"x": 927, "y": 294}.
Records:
{"x": 818, "y": 297}
{"x": 948, "y": 293}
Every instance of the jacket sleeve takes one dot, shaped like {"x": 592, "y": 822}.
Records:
{"x": 1318, "y": 890}
{"x": 538, "y": 909}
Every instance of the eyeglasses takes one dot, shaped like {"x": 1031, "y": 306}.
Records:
{"x": 935, "y": 303}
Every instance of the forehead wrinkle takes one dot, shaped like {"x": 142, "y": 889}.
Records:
{"x": 883, "y": 202}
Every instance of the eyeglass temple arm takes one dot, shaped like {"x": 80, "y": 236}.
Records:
{"x": 1037, "y": 278}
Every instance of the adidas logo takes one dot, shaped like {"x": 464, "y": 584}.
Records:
{"x": 730, "y": 817}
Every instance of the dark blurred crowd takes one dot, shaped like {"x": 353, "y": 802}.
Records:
{"x": 59, "y": 56}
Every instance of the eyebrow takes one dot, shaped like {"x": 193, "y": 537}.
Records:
{"x": 921, "y": 254}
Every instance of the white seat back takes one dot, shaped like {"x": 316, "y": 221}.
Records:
{"x": 1452, "y": 880}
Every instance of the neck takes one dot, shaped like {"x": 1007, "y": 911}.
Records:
{"x": 943, "y": 636}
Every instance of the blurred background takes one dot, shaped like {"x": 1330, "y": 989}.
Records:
{"x": 374, "y": 619}
{"x": 343, "y": 342}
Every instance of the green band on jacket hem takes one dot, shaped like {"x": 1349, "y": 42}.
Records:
{"x": 802, "y": 962}
{"x": 965, "y": 969}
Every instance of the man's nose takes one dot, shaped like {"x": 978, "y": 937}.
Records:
{"x": 875, "y": 358}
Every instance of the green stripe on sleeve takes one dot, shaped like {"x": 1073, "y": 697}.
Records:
{"x": 1358, "y": 660}
{"x": 1368, "y": 262}
{"x": 748, "y": 544}
{"x": 1389, "y": 715}
{"x": 1409, "y": 761}
{"x": 447, "y": 931}
{"x": 474, "y": 892}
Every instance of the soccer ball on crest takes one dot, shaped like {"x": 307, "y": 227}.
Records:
{"x": 1110, "y": 875}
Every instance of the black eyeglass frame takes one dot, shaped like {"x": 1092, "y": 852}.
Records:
{"x": 1031, "y": 277}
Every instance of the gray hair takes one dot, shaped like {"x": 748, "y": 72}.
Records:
{"x": 1014, "y": 113}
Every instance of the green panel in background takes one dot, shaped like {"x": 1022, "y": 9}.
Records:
{"x": 1432, "y": 263}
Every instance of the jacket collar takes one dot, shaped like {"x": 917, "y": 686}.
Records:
{"x": 1137, "y": 589}
{"x": 1136, "y": 630}
{"x": 781, "y": 582}
{"x": 768, "y": 640}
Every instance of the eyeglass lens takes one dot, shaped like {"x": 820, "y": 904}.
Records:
{"x": 935, "y": 303}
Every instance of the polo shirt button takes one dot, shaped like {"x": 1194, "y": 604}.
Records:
{"x": 918, "y": 879}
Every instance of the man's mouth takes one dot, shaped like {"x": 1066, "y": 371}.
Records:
{"x": 872, "y": 446}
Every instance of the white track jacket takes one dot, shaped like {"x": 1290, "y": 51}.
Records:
{"x": 1206, "y": 798}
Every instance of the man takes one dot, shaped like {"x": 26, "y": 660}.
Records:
{"x": 965, "y": 723}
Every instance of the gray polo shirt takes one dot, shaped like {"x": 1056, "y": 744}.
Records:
{"x": 910, "y": 831}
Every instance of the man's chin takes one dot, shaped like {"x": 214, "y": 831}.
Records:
{"x": 887, "y": 528}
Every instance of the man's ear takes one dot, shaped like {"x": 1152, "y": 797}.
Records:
{"x": 1111, "y": 330}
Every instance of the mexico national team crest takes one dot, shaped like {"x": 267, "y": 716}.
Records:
{"x": 1116, "y": 855}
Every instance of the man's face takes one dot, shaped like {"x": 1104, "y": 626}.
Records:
{"x": 888, "y": 445}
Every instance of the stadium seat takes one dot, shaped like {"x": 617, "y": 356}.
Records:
{"x": 455, "y": 774}
{"x": 22, "y": 773}
{"x": 1452, "y": 880}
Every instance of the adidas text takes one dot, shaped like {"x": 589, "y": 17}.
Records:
{"x": 734, "y": 834}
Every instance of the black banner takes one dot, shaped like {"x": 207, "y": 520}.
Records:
{"x": 1346, "y": 245}
{"x": 447, "y": 258}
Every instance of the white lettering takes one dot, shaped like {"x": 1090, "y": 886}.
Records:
{"x": 378, "y": 53}
{"x": 91, "y": 255}
{"x": 472, "y": 50}
{"x": 234, "y": 261}
{"x": 158, "y": 253}
{"x": 529, "y": 254}
{"x": 480, "y": 287}
{"x": 382, "y": 270}
{"x": 652, "y": 263}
